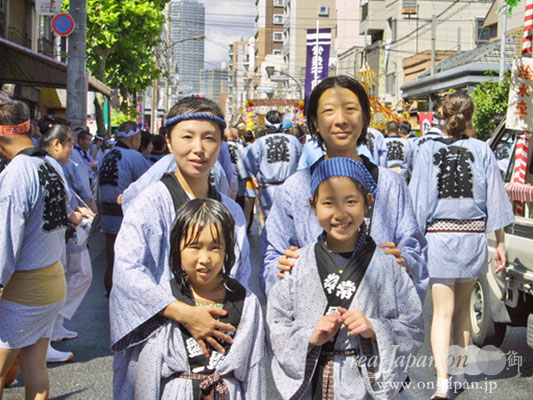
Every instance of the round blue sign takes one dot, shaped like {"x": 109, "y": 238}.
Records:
{"x": 63, "y": 24}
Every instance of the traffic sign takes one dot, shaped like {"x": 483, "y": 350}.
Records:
{"x": 63, "y": 24}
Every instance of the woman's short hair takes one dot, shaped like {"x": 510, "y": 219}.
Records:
{"x": 342, "y": 81}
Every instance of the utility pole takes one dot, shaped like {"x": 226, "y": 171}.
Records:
{"x": 155, "y": 84}
{"x": 503, "y": 38}
{"x": 171, "y": 62}
{"x": 433, "y": 40}
{"x": 77, "y": 79}
{"x": 458, "y": 40}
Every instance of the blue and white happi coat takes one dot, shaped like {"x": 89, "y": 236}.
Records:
{"x": 458, "y": 179}
{"x": 398, "y": 152}
{"x": 147, "y": 371}
{"x": 273, "y": 158}
{"x": 292, "y": 222}
{"x": 78, "y": 178}
{"x": 121, "y": 167}
{"x": 167, "y": 165}
{"x": 236, "y": 151}
{"x": 141, "y": 273}
{"x": 433, "y": 133}
{"x": 34, "y": 205}
{"x": 388, "y": 299}
{"x": 376, "y": 143}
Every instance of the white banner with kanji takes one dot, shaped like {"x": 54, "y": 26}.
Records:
{"x": 48, "y": 7}
{"x": 520, "y": 107}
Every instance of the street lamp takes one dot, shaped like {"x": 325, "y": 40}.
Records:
{"x": 271, "y": 70}
{"x": 155, "y": 85}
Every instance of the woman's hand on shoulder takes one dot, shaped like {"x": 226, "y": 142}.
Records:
{"x": 326, "y": 329}
{"x": 201, "y": 324}
{"x": 391, "y": 249}
{"x": 286, "y": 261}
{"x": 357, "y": 324}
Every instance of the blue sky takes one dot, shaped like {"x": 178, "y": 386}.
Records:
{"x": 226, "y": 22}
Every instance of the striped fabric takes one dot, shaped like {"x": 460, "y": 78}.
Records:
{"x": 342, "y": 166}
{"x": 212, "y": 383}
{"x": 519, "y": 191}
{"x": 528, "y": 29}
{"x": 521, "y": 156}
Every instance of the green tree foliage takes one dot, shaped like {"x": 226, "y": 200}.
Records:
{"x": 490, "y": 98}
{"x": 511, "y": 4}
{"x": 122, "y": 36}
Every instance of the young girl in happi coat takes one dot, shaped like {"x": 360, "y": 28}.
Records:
{"x": 458, "y": 196}
{"x": 344, "y": 300}
{"x": 173, "y": 364}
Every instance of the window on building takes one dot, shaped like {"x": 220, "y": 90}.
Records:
{"x": 390, "y": 84}
{"x": 483, "y": 34}
{"x": 277, "y": 37}
{"x": 277, "y": 52}
{"x": 277, "y": 19}
{"x": 278, "y": 3}
{"x": 323, "y": 11}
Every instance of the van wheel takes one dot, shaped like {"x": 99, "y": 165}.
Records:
{"x": 484, "y": 330}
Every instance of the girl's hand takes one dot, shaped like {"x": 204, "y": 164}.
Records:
{"x": 357, "y": 323}
{"x": 285, "y": 261}
{"x": 500, "y": 259}
{"x": 201, "y": 325}
{"x": 393, "y": 250}
{"x": 326, "y": 329}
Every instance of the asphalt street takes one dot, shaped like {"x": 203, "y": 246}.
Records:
{"x": 90, "y": 374}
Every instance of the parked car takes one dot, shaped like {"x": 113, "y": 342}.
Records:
{"x": 506, "y": 299}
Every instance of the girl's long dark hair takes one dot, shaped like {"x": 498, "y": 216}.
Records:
{"x": 192, "y": 218}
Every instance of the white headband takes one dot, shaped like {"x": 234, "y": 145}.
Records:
{"x": 268, "y": 123}
{"x": 127, "y": 134}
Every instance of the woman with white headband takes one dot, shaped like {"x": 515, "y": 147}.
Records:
{"x": 120, "y": 167}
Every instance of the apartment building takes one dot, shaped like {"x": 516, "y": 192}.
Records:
{"x": 32, "y": 62}
{"x": 214, "y": 84}
{"x": 268, "y": 30}
{"x": 240, "y": 74}
{"x": 402, "y": 29}
{"x": 300, "y": 16}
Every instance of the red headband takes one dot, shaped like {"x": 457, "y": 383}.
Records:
{"x": 12, "y": 130}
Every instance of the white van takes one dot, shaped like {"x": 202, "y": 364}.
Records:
{"x": 507, "y": 298}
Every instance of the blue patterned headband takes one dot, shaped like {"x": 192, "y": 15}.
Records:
{"x": 128, "y": 134}
{"x": 183, "y": 117}
{"x": 342, "y": 166}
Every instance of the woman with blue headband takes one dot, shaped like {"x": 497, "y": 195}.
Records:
{"x": 347, "y": 311}
{"x": 338, "y": 114}
{"x": 141, "y": 300}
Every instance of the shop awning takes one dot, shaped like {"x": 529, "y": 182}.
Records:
{"x": 23, "y": 66}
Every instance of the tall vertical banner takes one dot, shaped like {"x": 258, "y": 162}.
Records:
{"x": 317, "y": 62}
{"x": 425, "y": 121}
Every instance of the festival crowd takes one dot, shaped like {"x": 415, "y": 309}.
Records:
{"x": 356, "y": 227}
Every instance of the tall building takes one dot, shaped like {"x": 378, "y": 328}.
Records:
{"x": 240, "y": 74}
{"x": 300, "y": 16}
{"x": 268, "y": 30}
{"x": 187, "y": 19}
{"x": 214, "y": 84}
